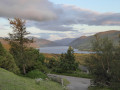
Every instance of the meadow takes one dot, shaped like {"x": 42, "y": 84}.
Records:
{"x": 10, "y": 81}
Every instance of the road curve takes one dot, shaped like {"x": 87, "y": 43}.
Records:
{"x": 76, "y": 83}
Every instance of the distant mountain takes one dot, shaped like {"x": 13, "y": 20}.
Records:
{"x": 45, "y": 43}
{"x": 36, "y": 44}
{"x": 65, "y": 41}
{"x": 84, "y": 42}
{"x": 7, "y": 46}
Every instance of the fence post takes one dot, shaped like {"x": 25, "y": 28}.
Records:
{"x": 62, "y": 82}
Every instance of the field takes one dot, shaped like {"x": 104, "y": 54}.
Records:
{"x": 10, "y": 81}
{"x": 79, "y": 57}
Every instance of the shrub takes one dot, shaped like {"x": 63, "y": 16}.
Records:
{"x": 36, "y": 74}
{"x": 39, "y": 66}
{"x": 7, "y": 61}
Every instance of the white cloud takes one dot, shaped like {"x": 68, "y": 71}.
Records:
{"x": 39, "y": 10}
{"x": 55, "y": 37}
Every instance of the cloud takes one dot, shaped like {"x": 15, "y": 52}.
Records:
{"x": 75, "y": 15}
{"x": 51, "y": 17}
{"x": 38, "y": 10}
{"x": 55, "y": 37}
{"x": 50, "y": 26}
{"x": 68, "y": 15}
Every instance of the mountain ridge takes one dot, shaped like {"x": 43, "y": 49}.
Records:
{"x": 84, "y": 43}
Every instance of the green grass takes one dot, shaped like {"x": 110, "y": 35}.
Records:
{"x": 98, "y": 88}
{"x": 65, "y": 82}
{"x": 10, "y": 81}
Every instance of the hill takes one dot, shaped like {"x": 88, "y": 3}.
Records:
{"x": 84, "y": 42}
{"x": 7, "y": 46}
{"x": 45, "y": 43}
{"x": 10, "y": 81}
{"x": 36, "y": 44}
{"x": 65, "y": 42}
{"x": 4, "y": 43}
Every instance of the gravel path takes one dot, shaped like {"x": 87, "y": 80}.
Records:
{"x": 76, "y": 83}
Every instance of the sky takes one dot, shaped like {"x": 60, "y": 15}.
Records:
{"x": 59, "y": 19}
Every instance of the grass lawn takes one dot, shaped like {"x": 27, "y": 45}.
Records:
{"x": 10, "y": 81}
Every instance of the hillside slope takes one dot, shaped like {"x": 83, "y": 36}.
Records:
{"x": 44, "y": 42}
{"x": 36, "y": 44}
{"x": 65, "y": 41}
{"x": 7, "y": 46}
{"x": 10, "y": 81}
{"x": 84, "y": 42}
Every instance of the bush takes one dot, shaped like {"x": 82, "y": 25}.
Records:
{"x": 39, "y": 66}
{"x": 36, "y": 74}
{"x": 7, "y": 61}
{"x": 35, "y": 60}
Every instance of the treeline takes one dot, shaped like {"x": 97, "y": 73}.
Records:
{"x": 65, "y": 64}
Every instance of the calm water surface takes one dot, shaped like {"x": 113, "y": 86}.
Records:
{"x": 59, "y": 50}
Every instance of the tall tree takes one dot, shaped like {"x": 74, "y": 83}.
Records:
{"x": 100, "y": 63}
{"x": 18, "y": 40}
{"x": 67, "y": 61}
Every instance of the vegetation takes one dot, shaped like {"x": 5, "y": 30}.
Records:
{"x": 78, "y": 57}
{"x": 65, "y": 82}
{"x": 34, "y": 60}
{"x": 99, "y": 88}
{"x": 53, "y": 63}
{"x": 65, "y": 64}
{"x": 7, "y": 61}
{"x": 26, "y": 60}
{"x": 67, "y": 61}
{"x": 18, "y": 40}
{"x": 104, "y": 64}
{"x": 36, "y": 74}
{"x": 11, "y": 81}
{"x": 84, "y": 43}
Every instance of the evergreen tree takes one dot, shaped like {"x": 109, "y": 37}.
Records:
{"x": 34, "y": 60}
{"x": 67, "y": 61}
{"x": 7, "y": 61}
{"x": 18, "y": 41}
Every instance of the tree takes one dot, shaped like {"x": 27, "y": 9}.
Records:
{"x": 102, "y": 61}
{"x": 18, "y": 41}
{"x": 51, "y": 63}
{"x": 67, "y": 61}
{"x": 34, "y": 60}
{"x": 7, "y": 61}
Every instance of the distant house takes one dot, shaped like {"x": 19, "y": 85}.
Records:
{"x": 84, "y": 69}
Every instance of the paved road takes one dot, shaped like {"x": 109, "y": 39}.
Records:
{"x": 76, "y": 83}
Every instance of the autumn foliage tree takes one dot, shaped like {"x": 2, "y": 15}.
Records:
{"x": 18, "y": 41}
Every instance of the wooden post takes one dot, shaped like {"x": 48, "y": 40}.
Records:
{"x": 62, "y": 82}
